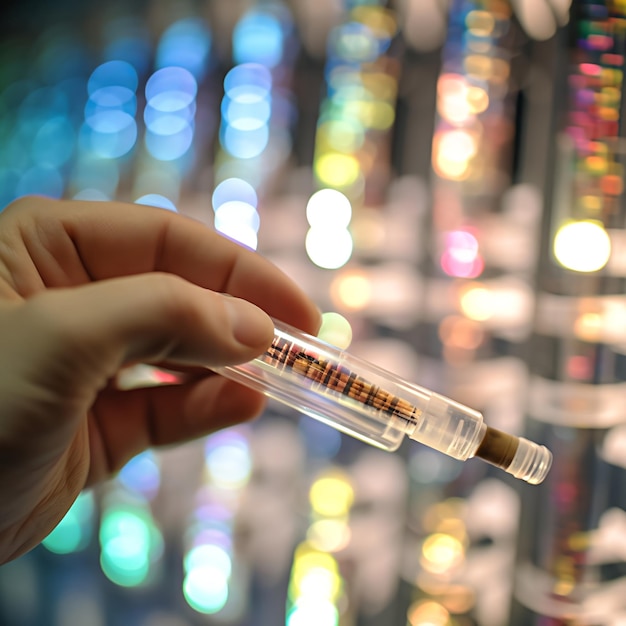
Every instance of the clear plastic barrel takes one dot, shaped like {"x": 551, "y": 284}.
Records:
{"x": 357, "y": 397}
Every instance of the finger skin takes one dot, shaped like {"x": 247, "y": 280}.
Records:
{"x": 132, "y": 421}
{"x": 69, "y": 243}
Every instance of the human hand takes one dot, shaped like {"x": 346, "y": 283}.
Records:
{"x": 89, "y": 288}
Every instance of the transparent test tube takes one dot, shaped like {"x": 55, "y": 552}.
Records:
{"x": 379, "y": 408}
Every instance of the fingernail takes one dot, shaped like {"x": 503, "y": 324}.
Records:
{"x": 249, "y": 325}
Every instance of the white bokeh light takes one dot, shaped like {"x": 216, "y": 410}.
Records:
{"x": 329, "y": 248}
{"x": 582, "y": 246}
{"x": 328, "y": 207}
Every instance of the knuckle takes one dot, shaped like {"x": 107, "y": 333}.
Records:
{"x": 175, "y": 300}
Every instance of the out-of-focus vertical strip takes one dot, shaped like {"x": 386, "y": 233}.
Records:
{"x": 478, "y": 271}
{"x": 565, "y": 571}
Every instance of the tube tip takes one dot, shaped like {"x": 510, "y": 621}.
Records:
{"x": 531, "y": 462}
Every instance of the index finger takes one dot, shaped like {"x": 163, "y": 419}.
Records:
{"x": 115, "y": 239}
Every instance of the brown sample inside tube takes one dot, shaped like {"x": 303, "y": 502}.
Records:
{"x": 336, "y": 378}
{"x": 498, "y": 448}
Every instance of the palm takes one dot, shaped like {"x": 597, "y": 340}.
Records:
{"x": 67, "y": 273}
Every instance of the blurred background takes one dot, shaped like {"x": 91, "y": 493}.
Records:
{"x": 445, "y": 179}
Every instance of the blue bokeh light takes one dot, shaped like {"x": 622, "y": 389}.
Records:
{"x": 92, "y": 195}
{"x": 248, "y": 111}
{"x": 187, "y": 44}
{"x": 113, "y": 73}
{"x": 234, "y": 189}
{"x": 157, "y": 200}
{"x": 258, "y": 37}
{"x": 9, "y": 179}
{"x": 171, "y": 80}
{"x": 53, "y": 144}
{"x": 244, "y": 144}
{"x": 110, "y": 122}
{"x": 251, "y": 77}
{"x": 111, "y": 97}
{"x": 110, "y": 130}
{"x": 169, "y": 147}
{"x": 170, "y": 109}
{"x": 142, "y": 474}
{"x": 167, "y": 125}
{"x": 127, "y": 39}
{"x": 42, "y": 181}
{"x": 110, "y": 135}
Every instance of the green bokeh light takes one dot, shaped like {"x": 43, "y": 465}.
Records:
{"x": 206, "y": 589}
{"x": 73, "y": 532}
{"x": 130, "y": 543}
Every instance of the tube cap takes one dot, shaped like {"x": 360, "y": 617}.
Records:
{"x": 531, "y": 462}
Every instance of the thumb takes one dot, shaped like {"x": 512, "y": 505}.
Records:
{"x": 60, "y": 347}
{"x": 91, "y": 331}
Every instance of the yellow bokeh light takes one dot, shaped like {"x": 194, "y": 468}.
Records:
{"x": 337, "y": 170}
{"x": 454, "y": 527}
{"x": 319, "y": 582}
{"x": 479, "y": 66}
{"x": 370, "y": 229}
{"x": 376, "y": 114}
{"x": 339, "y": 136}
{"x": 564, "y": 586}
{"x": 452, "y": 153}
{"x": 314, "y": 574}
{"x": 596, "y": 164}
{"x": 329, "y": 535}
{"x": 582, "y": 246}
{"x": 380, "y": 85}
{"x": 455, "y": 597}
{"x": 589, "y": 326}
{"x": 451, "y": 169}
{"x": 427, "y": 613}
{"x": 307, "y": 557}
{"x": 477, "y": 302}
{"x": 441, "y": 553}
{"x": 380, "y": 20}
{"x": 480, "y": 23}
{"x": 352, "y": 291}
{"x": 478, "y": 99}
{"x": 501, "y": 70}
{"x": 610, "y": 96}
{"x": 331, "y": 496}
{"x": 591, "y": 203}
{"x": 451, "y": 508}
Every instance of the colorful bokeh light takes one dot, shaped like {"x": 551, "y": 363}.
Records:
{"x": 582, "y": 246}
{"x": 73, "y": 533}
